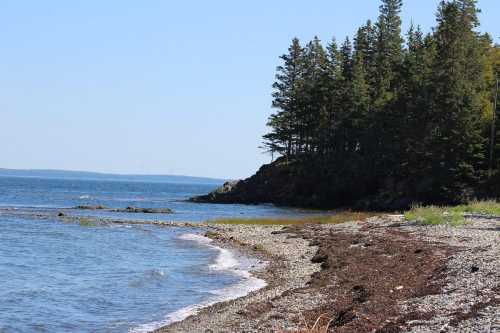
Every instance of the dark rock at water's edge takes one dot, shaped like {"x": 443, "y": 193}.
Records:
{"x": 222, "y": 194}
{"x": 144, "y": 210}
{"x": 310, "y": 182}
{"x": 89, "y": 207}
{"x": 274, "y": 183}
{"x": 129, "y": 209}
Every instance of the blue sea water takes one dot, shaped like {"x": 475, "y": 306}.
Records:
{"x": 71, "y": 277}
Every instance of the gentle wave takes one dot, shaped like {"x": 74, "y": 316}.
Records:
{"x": 225, "y": 261}
{"x": 18, "y": 206}
{"x": 152, "y": 275}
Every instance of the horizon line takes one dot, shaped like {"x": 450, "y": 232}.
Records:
{"x": 110, "y": 173}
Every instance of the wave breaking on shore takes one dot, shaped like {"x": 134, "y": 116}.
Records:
{"x": 226, "y": 261}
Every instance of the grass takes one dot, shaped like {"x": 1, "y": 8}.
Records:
{"x": 452, "y": 215}
{"x": 435, "y": 215}
{"x": 87, "y": 222}
{"x": 259, "y": 247}
{"x": 487, "y": 207}
{"x": 335, "y": 218}
{"x": 211, "y": 234}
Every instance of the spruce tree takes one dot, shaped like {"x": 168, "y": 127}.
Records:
{"x": 385, "y": 117}
{"x": 413, "y": 103}
{"x": 336, "y": 104}
{"x": 456, "y": 141}
{"x": 396, "y": 124}
{"x": 388, "y": 50}
{"x": 315, "y": 92}
{"x": 287, "y": 100}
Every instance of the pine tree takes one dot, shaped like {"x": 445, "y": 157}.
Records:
{"x": 388, "y": 51}
{"x": 385, "y": 117}
{"x": 398, "y": 124}
{"x": 336, "y": 84}
{"x": 359, "y": 89}
{"x": 494, "y": 60}
{"x": 456, "y": 142}
{"x": 364, "y": 43}
{"x": 413, "y": 103}
{"x": 344, "y": 120}
{"x": 287, "y": 95}
{"x": 315, "y": 91}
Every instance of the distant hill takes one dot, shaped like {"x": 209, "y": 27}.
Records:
{"x": 63, "y": 174}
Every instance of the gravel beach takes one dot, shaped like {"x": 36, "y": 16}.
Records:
{"x": 377, "y": 275}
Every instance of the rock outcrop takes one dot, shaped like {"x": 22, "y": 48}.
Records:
{"x": 129, "y": 209}
{"x": 273, "y": 183}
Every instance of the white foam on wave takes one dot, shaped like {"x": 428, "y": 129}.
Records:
{"x": 195, "y": 238}
{"x": 225, "y": 261}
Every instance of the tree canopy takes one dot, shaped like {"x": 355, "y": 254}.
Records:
{"x": 397, "y": 120}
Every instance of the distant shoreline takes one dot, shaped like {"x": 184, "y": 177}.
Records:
{"x": 88, "y": 175}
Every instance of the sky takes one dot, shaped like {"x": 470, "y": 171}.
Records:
{"x": 158, "y": 87}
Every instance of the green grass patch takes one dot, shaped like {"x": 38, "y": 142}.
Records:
{"x": 87, "y": 222}
{"x": 334, "y": 218}
{"x": 259, "y": 247}
{"x": 452, "y": 215}
{"x": 211, "y": 234}
{"x": 488, "y": 207}
{"x": 434, "y": 215}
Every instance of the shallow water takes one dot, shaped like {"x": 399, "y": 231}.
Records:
{"x": 67, "y": 277}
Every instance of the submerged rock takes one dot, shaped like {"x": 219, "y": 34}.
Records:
{"x": 89, "y": 207}
{"x": 129, "y": 209}
{"x": 132, "y": 209}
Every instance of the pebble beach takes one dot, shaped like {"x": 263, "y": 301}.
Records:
{"x": 376, "y": 275}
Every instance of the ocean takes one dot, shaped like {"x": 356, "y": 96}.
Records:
{"x": 60, "y": 276}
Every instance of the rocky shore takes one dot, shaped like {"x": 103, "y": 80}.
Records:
{"x": 378, "y": 275}
{"x": 129, "y": 209}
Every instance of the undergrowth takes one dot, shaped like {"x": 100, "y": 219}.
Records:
{"x": 452, "y": 215}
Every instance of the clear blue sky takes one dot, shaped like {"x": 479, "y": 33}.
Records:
{"x": 158, "y": 87}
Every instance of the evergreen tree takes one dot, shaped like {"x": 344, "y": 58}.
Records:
{"x": 315, "y": 92}
{"x": 385, "y": 117}
{"x": 456, "y": 143}
{"x": 494, "y": 60}
{"x": 413, "y": 102}
{"x": 358, "y": 89}
{"x": 337, "y": 103}
{"x": 287, "y": 96}
{"x": 388, "y": 51}
{"x": 399, "y": 123}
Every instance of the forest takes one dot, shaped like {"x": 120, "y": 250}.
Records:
{"x": 385, "y": 120}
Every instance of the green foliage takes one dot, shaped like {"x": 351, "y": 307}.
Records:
{"x": 387, "y": 122}
{"x": 487, "y": 207}
{"x": 452, "y": 215}
{"x": 87, "y": 222}
{"x": 434, "y": 215}
{"x": 211, "y": 234}
{"x": 340, "y": 217}
{"x": 259, "y": 247}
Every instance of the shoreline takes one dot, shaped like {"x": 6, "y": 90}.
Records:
{"x": 374, "y": 275}
{"x": 288, "y": 267}
{"x": 381, "y": 274}
{"x": 230, "y": 261}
